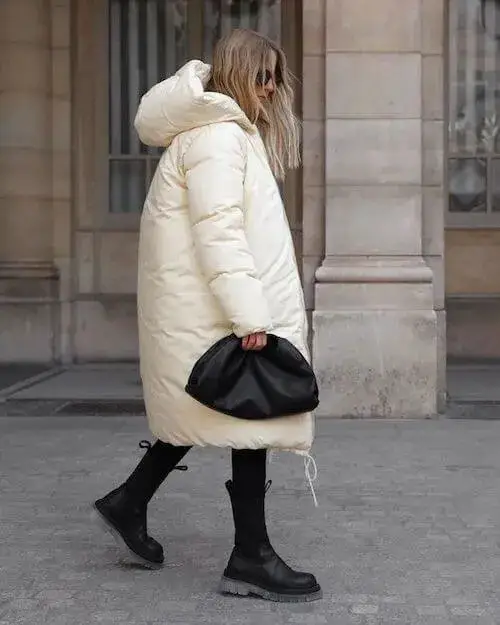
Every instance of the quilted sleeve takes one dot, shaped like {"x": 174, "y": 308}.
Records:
{"x": 215, "y": 166}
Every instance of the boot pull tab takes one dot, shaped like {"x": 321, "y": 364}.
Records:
{"x": 181, "y": 467}
{"x": 311, "y": 471}
{"x": 267, "y": 486}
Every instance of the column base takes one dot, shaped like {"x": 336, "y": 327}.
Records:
{"x": 375, "y": 339}
{"x": 29, "y": 312}
{"x": 376, "y": 364}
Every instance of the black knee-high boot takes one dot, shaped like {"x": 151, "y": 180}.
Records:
{"x": 254, "y": 568}
{"x": 124, "y": 509}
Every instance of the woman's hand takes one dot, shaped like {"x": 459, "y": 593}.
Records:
{"x": 254, "y": 342}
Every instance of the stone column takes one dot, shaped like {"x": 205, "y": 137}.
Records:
{"x": 26, "y": 269}
{"x": 313, "y": 146}
{"x": 62, "y": 162}
{"x": 434, "y": 198}
{"x": 375, "y": 329}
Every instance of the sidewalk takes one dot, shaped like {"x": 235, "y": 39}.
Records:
{"x": 114, "y": 381}
{"x": 97, "y": 389}
{"x": 407, "y": 531}
{"x": 474, "y": 390}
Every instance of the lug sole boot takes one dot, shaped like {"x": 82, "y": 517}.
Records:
{"x": 254, "y": 568}
{"x": 126, "y": 522}
{"x": 123, "y": 511}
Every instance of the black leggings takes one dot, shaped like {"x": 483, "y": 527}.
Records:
{"x": 249, "y": 470}
{"x": 249, "y": 465}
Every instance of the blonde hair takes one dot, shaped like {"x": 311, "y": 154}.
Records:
{"x": 239, "y": 58}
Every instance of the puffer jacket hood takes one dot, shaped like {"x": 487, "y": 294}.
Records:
{"x": 180, "y": 104}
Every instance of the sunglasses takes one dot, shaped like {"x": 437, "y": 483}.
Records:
{"x": 263, "y": 78}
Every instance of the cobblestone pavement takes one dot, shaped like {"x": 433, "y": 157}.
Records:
{"x": 407, "y": 530}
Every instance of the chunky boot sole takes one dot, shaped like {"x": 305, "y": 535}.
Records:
{"x": 100, "y": 520}
{"x": 229, "y": 586}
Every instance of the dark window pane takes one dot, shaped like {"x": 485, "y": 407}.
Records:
{"x": 474, "y": 75}
{"x": 127, "y": 185}
{"x": 495, "y": 185}
{"x": 467, "y": 185}
{"x": 147, "y": 43}
{"x": 222, "y": 16}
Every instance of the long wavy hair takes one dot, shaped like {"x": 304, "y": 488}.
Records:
{"x": 238, "y": 61}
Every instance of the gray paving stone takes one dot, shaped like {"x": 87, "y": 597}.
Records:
{"x": 432, "y": 610}
{"x": 364, "y": 609}
{"x": 407, "y": 530}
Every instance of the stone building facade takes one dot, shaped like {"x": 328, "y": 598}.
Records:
{"x": 370, "y": 209}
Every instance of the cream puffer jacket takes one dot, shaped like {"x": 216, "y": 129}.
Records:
{"x": 215, "y": 256}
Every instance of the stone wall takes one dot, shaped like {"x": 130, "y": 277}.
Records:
{"x": 35, "y": 180}
{"x": 62, "y": 191}
{"x": 473, "y": 293}
{"x": 433, "y": 171}
{"x": 28, "y": 275}
{"x": 313, "y": 111}
{"x": 379, "y": 294}
{"x": 105, "y": 253}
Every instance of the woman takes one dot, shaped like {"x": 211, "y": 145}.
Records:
{"x": 215, "y": 257}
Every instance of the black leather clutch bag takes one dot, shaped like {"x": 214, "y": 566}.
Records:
{"x": 276, "y": 381}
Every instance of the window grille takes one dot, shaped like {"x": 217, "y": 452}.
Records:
{"x": 148, "y": 40}
{"x": 474, "y": 112}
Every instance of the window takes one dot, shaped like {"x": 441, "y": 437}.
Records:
{"x": 474, "y": 113}
{"x": 148, "y": 40}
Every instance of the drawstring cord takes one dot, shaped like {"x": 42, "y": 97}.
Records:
{"x": 147, "y": 445}
{"x": 311, "y": 471}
